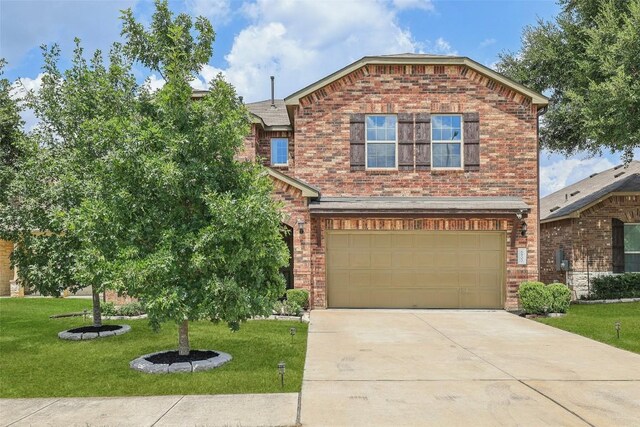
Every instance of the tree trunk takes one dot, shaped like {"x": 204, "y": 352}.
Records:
{"x": 97, "y": 316}
{"x": 183, "y": 338}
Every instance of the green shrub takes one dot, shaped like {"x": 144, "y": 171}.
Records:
{"x": 535, "y": 297}
{"x": 299, "y": 296}
{"x": 108, "y": 309}
{"x": 287, "y": 308}
{"x": 625, "y": 285}
{"x": 560, "y": 297}
{"x": 132, "y": 309}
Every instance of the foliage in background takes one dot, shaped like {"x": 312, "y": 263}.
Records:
{"x": 130, "y": 309}
{"x": 11, "y": 136}
{"x": 588, "y": 61}
{"x": 299, "y": 296}
{"x": 615, "y": 286}
{"x": 82, "y": 113}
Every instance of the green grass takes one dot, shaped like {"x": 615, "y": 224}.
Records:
{"x": 597, "y": 321}
{"x": 34, "y": 362}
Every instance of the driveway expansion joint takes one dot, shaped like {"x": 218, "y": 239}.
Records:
{"x": 556, "y": 402}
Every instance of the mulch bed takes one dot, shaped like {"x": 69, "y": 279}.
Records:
{"x": 169, "y": 357}
{"x": 103, "y": 328}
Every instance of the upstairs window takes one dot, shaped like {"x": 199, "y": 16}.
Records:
{"x": 446, "y": 142}
{"x": 632, "y": 248}
{"x": 279, "y": 151}
{"x": 381, "y": 141}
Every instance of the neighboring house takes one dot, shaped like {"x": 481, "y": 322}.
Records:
{"x": 407, "y": 181}
{"x": 591, "y": 228}
{"x": 6, "y": 273}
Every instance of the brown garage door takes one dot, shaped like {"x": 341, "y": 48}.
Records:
{"x": 415, "y": 269}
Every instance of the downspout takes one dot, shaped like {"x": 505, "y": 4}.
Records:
{"x": 540, "y": 112}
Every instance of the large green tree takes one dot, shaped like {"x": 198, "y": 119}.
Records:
{"x": 83, "y": 112}
{"x": 178, "y": 222}
{"x": 588, "y": 61}
{"x": 11, "y": 136}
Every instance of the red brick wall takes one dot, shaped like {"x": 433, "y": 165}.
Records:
{"x": 295, "y": 209}
{"x": 508, "y": 144}
{"x": 263, "y": 148}
{"x": 555, "y": 235}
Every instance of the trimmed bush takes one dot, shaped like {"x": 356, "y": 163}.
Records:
{"x": 535, "y": 297}
{"x": 287, "y": 308}
{"x": 131, "y": 309}
{"x": 560, "y": 297}
{"x": 616, "y": 286}
{"x": 299, "y": 296}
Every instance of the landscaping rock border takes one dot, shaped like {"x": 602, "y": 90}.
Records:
{"x": 143, "y": 365}
{"x": 605, "y": 301}
{"x": 79, "y": 336}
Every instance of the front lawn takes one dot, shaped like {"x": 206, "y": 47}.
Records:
{"x": 34, "y": 362}
{"x": 597, "y": 321}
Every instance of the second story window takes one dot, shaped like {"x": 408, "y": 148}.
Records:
{"x": 279, "y": 151}
{"x": 446, "y": 142}
{"x": 381, "y": 141}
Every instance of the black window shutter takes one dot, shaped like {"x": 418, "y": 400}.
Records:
{"x": 617, "y": 245}
{"x": 405, "y": 141}
{"x": 357, "y": 141}
{"x": 471, "y": 141}
{"x": 423, "y": 141}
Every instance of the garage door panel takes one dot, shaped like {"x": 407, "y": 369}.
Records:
{"x": 415, "y": 269}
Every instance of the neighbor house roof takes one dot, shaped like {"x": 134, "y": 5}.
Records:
{"x": 418, "y": 59}
{"x": 272, "y": 116}
{"x": 572, "y": 200}
{"x": 413, "y": 205}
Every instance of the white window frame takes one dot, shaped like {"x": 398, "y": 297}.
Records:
{"x": 461, "y": 142}
{"x": 625, "y": 250}
{"x": 271, "y": 153}
{"x": 367, "y": 142}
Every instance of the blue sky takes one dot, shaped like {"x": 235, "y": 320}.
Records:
{"x": 298, "y": 41}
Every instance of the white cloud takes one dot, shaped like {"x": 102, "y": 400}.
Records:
{"x": 442, "y": 47}
{"x": 154, "y": 82}
{"x": 218, "y": 11}
{"x": 487, "y": 42}
{"x": 560, "y": 173}
{"x": 301, "y": 41}
{"x": 414, "y": 4}
{"x": 25, "y": 84}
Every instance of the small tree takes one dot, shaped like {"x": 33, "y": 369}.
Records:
{"x": 191, "y": 231}
{"x": 81, "y": 114}
{"x": 588, "y": 62}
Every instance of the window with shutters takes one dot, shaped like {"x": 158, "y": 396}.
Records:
{"x": 279, "y": 151}
{"x": 632, "y": 248}
{"x": 446, "y": 141}
{"x": 381, "y": 146}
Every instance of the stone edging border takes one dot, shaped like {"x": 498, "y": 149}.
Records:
{"x": 143, "y": 365}
{"x": 605, "y": 301}
{"x": 78, "y": 336}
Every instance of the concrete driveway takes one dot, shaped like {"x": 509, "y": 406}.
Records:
{"x": 461, "y": 368}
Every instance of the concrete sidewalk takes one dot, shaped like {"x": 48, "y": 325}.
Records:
{"x": 215, "y": 410}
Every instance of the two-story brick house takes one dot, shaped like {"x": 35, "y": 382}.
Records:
{"x": 407, "y": 181}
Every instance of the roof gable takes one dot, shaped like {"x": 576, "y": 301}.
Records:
{"x": 418, "y": 59}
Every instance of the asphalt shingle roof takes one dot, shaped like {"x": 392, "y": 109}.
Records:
{"x": 270, "y": 116}
{"x": 583, "y": 193}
